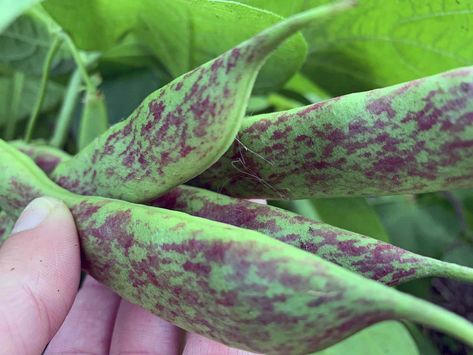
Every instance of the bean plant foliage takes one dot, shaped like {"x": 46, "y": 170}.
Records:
{"x": 156, "y": 122}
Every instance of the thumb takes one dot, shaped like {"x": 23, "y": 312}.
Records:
{"x": 39, "y": 276}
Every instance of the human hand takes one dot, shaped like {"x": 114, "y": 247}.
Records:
{"x": 39, "y": 302}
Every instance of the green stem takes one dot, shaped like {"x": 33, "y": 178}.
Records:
{"x": 17, "y": 90}
{"x": 42, "y": 89}
{"x": 65, "y": 115}
{"x": 435, "y": 317}
{"x": 81, "y": 66}
{"x": 72, "y": 94}
{"x": 452, "y": 271}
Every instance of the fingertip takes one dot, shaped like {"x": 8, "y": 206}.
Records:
{"x": 36, "y": 212}
{"x": 199, "y": 345}
{"x": 39, "y": 273}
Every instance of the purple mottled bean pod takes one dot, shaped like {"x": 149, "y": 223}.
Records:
{"x": 233, "y": 285}
{"x": 408, "y": 138}
{"x": 181, "y": 129}
{"x": 369, "y": 257}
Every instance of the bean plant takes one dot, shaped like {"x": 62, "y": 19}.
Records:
{"x": 366, "y": 162}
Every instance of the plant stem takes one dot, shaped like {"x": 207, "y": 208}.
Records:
{"x": 452, "y": 271}
{"x": 435, "y": 317}
{"x": 17, "y": 89}
{"x": 42, "y": 89}
{"x": 70, "y": 99}
{"x": 81, "y": 66}
{"x": 73, "y": 90}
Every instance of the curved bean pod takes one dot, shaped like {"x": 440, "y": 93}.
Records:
{"x": 408, "y": 138}
{"x": 183, "y": 128}
{"x": 236, "y": 286}
{"x": 46, "y": 157}
{"x": 369, "y": 257}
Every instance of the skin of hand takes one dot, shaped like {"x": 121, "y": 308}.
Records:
{"x": 41, "y": 307}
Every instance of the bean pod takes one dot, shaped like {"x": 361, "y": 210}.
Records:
{"x": 409, "y": 138}
{"x": 369, "y": 257}
{"x": 236, "y": 286}
{"x": 184, "y": 127}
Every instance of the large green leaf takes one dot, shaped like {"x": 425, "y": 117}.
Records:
{"x": 426, "y": 228}
{"x": 11, "y": 9}
{"x": 94, "y": 24}
{"x": 25, "y": 44}
{"x": 121, "y": 102}
{"x": 354, "y": 214}
{"x": 387, "y": 338}
{"x": 385, "y": 42}
{"x": 182, "y": 34}
{"x": 187, "y": 33}
{"x": 29, "y": 95}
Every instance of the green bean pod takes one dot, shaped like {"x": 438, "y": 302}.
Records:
{"x": 184, "y": 127}
{"x": 408, "y": 138}
{"x": 94, "y": 118}
{"x": 46, "y": 157}
{"x": 369, "y": 257}
{"x": 236, "y": 286}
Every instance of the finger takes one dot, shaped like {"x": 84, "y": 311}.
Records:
{"x": 39, "y": 276}
{"x": 89, "y": 325}
{"x": 199, "y": 345}
{"x": 137, "y": 331}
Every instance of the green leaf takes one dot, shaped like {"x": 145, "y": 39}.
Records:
{"x": 280, "y": 7}
{"x": 185, "y": 34}
{"x": 11, "y": 9}
{"x": 129, "y": 52}
{"x": 25, "y": 45}
{"x": 182, "y": 34}
{"x": 386, "y": 42}
{"x": 427, "y": 229}
{"x": 354, "y": 214}
{"x": 386, "y": 338}
{"x": 123, "y": 93}
{"x": 94, "y": 24}
{"x": 29, "y": 93}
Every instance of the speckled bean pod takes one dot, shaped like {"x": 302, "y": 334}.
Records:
{"x": 184, "y": 127}
{"x": 409, "y": 138}
{"x": 369, "y": 257}
{"x": 236, "y": 286}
